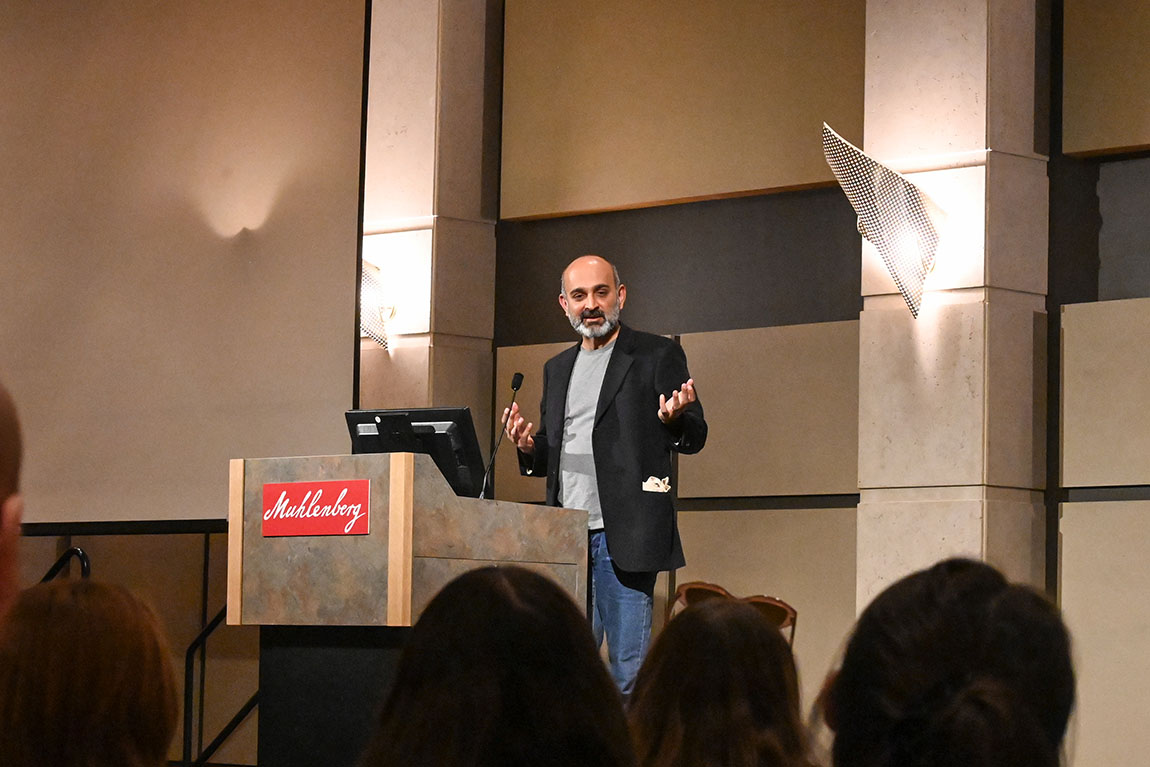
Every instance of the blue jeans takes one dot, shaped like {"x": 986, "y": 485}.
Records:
{"x": 621, "y": 605}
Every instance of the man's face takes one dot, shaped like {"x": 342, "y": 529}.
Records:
{"x": 591, "y": 298}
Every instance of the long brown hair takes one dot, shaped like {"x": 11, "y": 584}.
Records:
{"x": 85, "y": 679}
{"x": 953, "y": 665}
{"x": 501, "y": 671}
{"x": 718, "y": 687}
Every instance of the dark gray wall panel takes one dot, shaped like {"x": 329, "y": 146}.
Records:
{"x": 745, "y": 262}
{"x": 1124, "y": 242}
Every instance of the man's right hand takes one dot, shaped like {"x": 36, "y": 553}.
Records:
{"x": 518, "y": 431}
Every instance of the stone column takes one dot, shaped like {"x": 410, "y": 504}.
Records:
{"x": 431, "y": 190}
{"x": 952, "y": 405}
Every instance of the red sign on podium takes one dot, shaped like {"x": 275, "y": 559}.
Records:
{"x": 332, "y": 507}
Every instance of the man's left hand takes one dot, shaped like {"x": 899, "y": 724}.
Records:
{"x": 671, "y": 407}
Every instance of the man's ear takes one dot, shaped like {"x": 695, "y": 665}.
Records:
{"x": 622, "y": 295}
{"x": 563, "y": 302}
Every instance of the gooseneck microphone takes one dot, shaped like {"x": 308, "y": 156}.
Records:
{"x": 516, "y": 382}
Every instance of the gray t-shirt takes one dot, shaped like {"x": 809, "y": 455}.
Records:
{"x": 578, "y": 488}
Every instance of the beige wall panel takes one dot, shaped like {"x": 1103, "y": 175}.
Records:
{"x": 610, "y": 104}
{"x": 901, "y": 530}
{"x": 396, "y": 377}
{"x": 925, "y": 78}
{"x": 1016, "y": 391}
{"x": 921, "y": 396}
{"x": 1010, "y": 63}
{"x": 1106, "y": 77}
{"x": 37, "y": 554}
{"x": 1105, "y": 577}
{"x": 895, "y": 538}
{"x": 1017, "y": 222}
{"x": 1015, "y": 533}
{"x": 178, "y": 218}
{"x": 463, "y": 278}
{"x": 1105, "y": 394}
{"x": 461, "y": 376}
{"x": 468, "y": 142}
{"x": 782, "y": 411}
{"x": 528, "y": 360}
{"x": 399, "y": 177}
{"x": 804, "y": 556}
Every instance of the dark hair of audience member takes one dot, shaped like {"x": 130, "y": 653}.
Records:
{"x": 953, "y": 666}
{"x": 11, "y": 504}
{"x": 10, "y": 446}
{"x": 718, "y": 688}
{"x": 85, "y": 679}
{"x": 501, "y": 671}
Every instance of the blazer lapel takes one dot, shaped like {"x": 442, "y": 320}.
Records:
{"x": 617, "y": 369}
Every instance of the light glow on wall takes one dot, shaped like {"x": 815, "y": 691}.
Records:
{"x": 395, "y": 296}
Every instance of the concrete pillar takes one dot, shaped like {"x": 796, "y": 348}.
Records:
{"x": 432, "y": 187}
{"x": 952, "y": 405}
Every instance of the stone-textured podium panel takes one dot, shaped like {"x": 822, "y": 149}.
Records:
{"x": 346, "y": 580}
{"x": 430, "y": 575}
{"x": 334, "y": 580}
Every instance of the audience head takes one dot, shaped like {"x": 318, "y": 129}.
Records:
{"x": 85, "y": 679}
{"x": 501, "y": 671}
{"x": 10, "y": 446}
{"x": 718, "y": 688}
{"x": 953, "y": 666}
{"x": 11, "y": 504}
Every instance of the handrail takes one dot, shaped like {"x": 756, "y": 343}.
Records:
{"x": 189, "y": 679}
{"x": 74, "y": 552}
{"x": 228, "y": 729}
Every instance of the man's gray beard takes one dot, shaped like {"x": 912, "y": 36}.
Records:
{"x": 610, "y": 322}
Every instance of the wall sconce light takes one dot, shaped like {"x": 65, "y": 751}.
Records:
{"x": 395, "y": 285}
{"x": 894, "y": 214}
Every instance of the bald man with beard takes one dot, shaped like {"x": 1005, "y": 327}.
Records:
{"x": 11, "y": 504}
{"x": 616, "y": 406}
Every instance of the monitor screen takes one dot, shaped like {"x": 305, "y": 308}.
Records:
{"x": 446, "y": 434}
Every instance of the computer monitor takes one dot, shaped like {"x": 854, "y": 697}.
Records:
{"x": 447, "y": 434}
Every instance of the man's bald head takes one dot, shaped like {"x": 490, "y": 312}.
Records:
{"x": 10, "y": 445}
{"x": 584, "y": 263}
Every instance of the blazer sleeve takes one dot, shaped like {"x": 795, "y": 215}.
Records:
{"x": 688, "y": 432}
{"x": 535, "y": 463}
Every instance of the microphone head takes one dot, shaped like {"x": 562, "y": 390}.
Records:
{"x": 516, "y": 381}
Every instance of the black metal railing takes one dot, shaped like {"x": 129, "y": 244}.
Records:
{"x": 199, "y": 644}
{"x": 73, "y": 553}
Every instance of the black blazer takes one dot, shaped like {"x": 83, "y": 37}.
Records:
{"x": 630, "y": 444}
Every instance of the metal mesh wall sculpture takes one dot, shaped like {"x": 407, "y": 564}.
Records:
{"x": 893, "y": 214}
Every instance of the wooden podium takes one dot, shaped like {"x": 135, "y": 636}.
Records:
{"x": 332, "y": 608}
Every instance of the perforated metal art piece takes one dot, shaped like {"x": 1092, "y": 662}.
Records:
{"x": 371, "y": 316}
{"x": 893, "y": 214}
